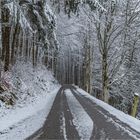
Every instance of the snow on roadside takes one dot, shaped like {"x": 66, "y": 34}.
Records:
{"x": 127, "y": 119}
{"x": 35, "y": 90}
{"x": 79, "y": 114}
{"x": 23, "y": 122}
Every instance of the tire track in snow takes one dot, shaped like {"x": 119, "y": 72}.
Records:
{"x": 68, "y": 128}
{"x": 103, "y": 129}
{"x": 81, "y": 119}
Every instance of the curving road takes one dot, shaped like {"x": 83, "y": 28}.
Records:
{"x": 74, "y": 116}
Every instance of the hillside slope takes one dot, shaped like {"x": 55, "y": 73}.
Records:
{"x": 34, "y": 90}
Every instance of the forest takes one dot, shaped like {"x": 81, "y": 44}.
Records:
{"x": 94, "y": 44}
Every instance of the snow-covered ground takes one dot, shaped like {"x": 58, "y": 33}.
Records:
{"x": 127, "y": 119}
{"x": 84, "y": 129}
{"x": 35, "y": 90}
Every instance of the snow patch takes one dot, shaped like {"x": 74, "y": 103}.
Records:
{"x": 137, "y": 94}
{"x": 63, "y": 127}
{"x": 79, "y": 115}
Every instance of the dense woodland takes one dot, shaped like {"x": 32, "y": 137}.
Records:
{"x": 93, "y": 44}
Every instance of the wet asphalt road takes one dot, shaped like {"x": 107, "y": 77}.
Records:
{"x": 106, "y": 126}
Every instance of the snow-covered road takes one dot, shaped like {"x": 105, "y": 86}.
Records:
{"x": 75, "y": 115}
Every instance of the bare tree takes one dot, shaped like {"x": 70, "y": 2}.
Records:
{"x": 0, "y": 39}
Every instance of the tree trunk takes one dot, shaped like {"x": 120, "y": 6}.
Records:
{"x": 33, "y": 51}
{"x": 0, "y": 40}
{"x": 105, "y": 77}
{"x": 6, "y": 39}
{"x": 15, "y": 38}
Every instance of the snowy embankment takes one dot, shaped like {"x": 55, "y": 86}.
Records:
{"x": 84, "y": 129}
{"x": 35, "y": 90}
{"x": 127, "y": 119}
